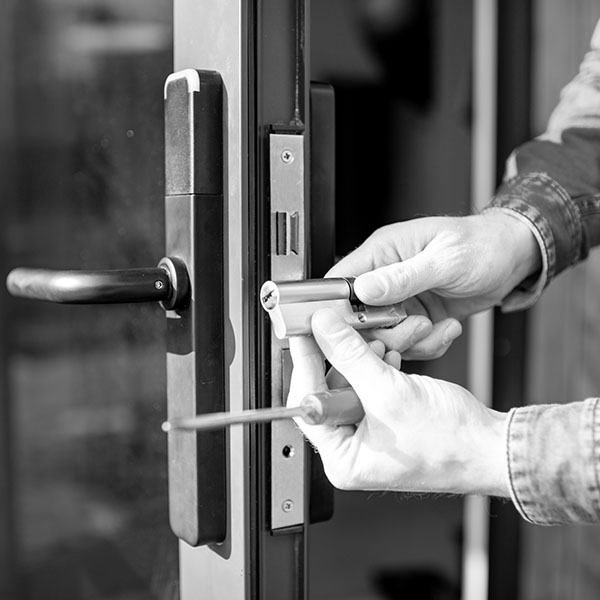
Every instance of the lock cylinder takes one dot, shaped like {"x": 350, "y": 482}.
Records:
{"x": 291, "y": 305}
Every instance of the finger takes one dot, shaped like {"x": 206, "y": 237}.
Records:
{"x": 335, "y": 380}
{"x": 404, "y": 335}
{"x": 396, "y": 282}
{"x": 431, "y": 303}
{"x": 348, "y": 352}
{"x": 394, "y": 359}
{"x": 378, "y": 347}
{"x": 437, "y": 343}
{"x": 308, "y": 376}
{"x": 358, "y": 261}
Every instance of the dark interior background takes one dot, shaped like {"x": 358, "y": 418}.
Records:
{"x": 401, "y": 72}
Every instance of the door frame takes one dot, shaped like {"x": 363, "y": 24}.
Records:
{"x": 254, "y": 46}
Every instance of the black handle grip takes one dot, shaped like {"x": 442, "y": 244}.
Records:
{"x": 90, "y": 287}
{"x": 167, "y": 283}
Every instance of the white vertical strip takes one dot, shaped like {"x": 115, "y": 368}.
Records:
{"x": 483, "y": 162}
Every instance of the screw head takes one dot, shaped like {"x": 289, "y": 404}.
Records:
{"x": 287, "y": 156}
{"x": 288, "y": 451}
{"x": 362, "y": 317}
{"x": 287, "y": 505}
{"x": 159, "y": 285}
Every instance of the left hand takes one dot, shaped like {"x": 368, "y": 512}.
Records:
{"x": 444, "y": 269}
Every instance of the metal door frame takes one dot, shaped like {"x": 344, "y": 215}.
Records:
{"x": 254, "y": 46}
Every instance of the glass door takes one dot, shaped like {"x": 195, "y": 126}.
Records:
{"x": 83, "y": 497}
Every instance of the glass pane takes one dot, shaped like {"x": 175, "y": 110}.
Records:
{"x": 86, "y": 385}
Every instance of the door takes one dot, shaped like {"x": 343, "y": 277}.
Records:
{"x": 85, "y": 494}
{"x": 84, "y": 491}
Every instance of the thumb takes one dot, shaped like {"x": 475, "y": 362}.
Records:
{"x": 399, "y": 281}
{"x": 347, "y": 351}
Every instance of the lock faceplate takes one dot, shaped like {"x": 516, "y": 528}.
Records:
{"x": 287, "y": 262}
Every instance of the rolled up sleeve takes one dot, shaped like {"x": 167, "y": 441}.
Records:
{"x": 553, "y": 456}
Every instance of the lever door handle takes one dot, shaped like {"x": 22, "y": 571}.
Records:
{"x": 167, "y": 283}
{"x": 190, "y": 285}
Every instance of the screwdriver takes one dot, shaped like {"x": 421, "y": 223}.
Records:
{"x": 332, "y": 407}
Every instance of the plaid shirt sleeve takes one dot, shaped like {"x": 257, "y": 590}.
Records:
{"x": 552, "y": 183}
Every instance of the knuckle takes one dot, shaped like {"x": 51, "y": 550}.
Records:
{"x": 381, "y": 233}
{"x": 401, "y": 276}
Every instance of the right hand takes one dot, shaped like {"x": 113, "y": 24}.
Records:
{"x": 418, "y": 434}
{"x": 444, "y": 269}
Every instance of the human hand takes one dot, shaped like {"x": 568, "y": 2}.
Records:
{"x": 444, "y": 269}
{"x": 418, "y": 434}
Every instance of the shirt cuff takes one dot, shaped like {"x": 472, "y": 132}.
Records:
{"x": 553, "y": 216}
{"x": 553, "y": 456}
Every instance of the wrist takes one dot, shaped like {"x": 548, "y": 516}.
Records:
{"x": 472, "y": 459}
{"x": 516, "y": 237}
{"x": 486, "y": 465}
{"x": 478, "y": 463}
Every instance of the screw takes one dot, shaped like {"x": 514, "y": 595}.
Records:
{"x": 362, "y": 317}
{"x": 159, "y": 285}
{"x": 287, "y": 156}
{"x": 288, "y": 451}
{"x": 287, "y": 505}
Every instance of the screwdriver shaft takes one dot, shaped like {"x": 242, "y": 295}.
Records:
{"x": 223, "y": 419}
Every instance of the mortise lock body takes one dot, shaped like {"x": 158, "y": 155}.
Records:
{"x": 291, "y": 305}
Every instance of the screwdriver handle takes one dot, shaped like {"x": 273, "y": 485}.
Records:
{"x": 333, "y": 407}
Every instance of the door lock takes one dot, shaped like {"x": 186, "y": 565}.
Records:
{"x": 291, "y": 305}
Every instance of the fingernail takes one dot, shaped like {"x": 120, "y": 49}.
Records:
{"x": 370, "y": 287}
{"x": 451, "y": 333}
{"x": 327, "y": 322}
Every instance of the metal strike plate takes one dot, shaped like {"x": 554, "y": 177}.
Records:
{"x": 287, "y": 263}
{"x": 195, "y": 332}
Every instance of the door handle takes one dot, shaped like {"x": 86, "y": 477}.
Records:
{"x": 167, "y": 283}
{"x": 190, "y": 285}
